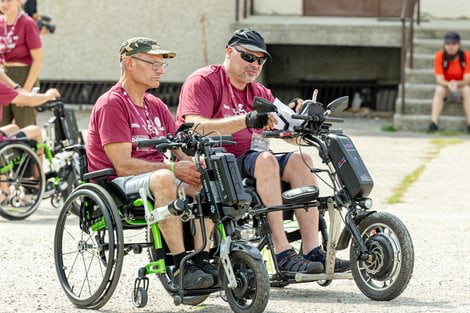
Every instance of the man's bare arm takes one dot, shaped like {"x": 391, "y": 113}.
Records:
{"x": 224, "y": 126}
{"x": 119, "y": 153}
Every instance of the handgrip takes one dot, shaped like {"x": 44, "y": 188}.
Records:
{"x": 334, "y": 120}
{"x": 151, "y": 142}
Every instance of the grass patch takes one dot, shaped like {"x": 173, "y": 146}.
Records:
{"x": 409, "y": 179}
{"x": 449, "y": 133}
{"x": 388, "y": 128}
{"x": 437, "y": 145}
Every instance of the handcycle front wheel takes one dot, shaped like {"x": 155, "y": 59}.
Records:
{"x": 89, "y": 249}
{"x": 252, "y": 292}
{"x": 22, "y": 181}
{"x": 385, "y": 275}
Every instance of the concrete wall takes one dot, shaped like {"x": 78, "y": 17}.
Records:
{"x": 446, "y": 8}
{"x": 89, "y": 34}
{"x": 278, "y": 7}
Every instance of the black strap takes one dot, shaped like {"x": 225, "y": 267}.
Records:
{"x": 447, "y": 58}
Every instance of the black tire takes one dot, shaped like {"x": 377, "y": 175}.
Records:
{"x": 252, "y": 292}
{"x": 387, "y": 275}
{"x": 140, "y": 298}
{"x": 89, "y": 263}
{"x": 22, "y": 181}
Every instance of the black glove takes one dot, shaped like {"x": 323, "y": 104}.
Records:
{"x": 256, "y": 119}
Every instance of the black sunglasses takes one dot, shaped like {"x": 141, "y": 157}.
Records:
{"x": 250, "y": 58}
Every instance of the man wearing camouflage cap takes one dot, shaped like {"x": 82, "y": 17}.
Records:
{"x": 126, "y": 114}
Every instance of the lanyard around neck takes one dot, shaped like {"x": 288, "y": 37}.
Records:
{"x": 7, "y": 36}
{"x": 146, "y": 124}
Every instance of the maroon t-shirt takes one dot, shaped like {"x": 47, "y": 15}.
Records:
{"x": 207, "y": 93}
{"x": 115, "y": 118}
{"x": 16, "y": 40}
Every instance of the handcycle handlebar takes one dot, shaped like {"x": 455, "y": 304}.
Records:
{"x": 152, "y": 142}
{"x": 49, "y": 105}
{"x": 278, "y": 134}
{"x": 317, "y": 118}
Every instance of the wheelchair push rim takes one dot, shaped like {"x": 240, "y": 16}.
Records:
{"x": 22, "y": 181}
{"x": 88, "y": 263}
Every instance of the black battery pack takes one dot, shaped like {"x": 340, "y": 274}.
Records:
{"x": 349, "y": 165}
{"x": 68, "y": 127}
{"x": 228, "y": 181}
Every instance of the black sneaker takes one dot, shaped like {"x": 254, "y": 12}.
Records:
{"x": 209, "y": 268}
{"x": 292, "y": 262}
{"x": 319, "y": 255}
{"x": 432, "y": 128}
{"x": 193, "y": 278}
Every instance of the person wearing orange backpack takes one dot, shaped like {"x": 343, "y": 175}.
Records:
{"x": 452, "y": 70}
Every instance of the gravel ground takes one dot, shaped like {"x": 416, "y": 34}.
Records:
{"x": 435, "y": 210}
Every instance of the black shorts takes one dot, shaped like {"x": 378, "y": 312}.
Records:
{"x": 248, "y": 161}
{"x": 17, "y": 135}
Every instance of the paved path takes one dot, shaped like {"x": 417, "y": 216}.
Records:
{"x": 436, "y": 210}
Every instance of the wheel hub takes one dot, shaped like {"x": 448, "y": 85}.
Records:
{"x": 85, "y": 246}
{"x": 242, "y": 285}
{"x": 381, "y": 259}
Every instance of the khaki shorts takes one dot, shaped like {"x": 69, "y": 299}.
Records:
{"x": 132, "y": 184}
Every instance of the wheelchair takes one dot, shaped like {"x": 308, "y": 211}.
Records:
{"x": 89, "y": 247}
{"x": 24, "y": 182}
{"x": 381, "y": 250}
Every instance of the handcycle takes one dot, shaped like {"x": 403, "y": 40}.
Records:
{"x": 23, "y": 180}
{"x": 381, "y": 250}
{"x": 89, "y": 248}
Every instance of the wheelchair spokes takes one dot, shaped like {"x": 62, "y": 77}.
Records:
{"x": 21, "y": 181}
{"x": 87, "y": 256}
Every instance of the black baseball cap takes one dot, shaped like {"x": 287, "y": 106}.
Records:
{"x": 249, "y": 39}
{"x": 452, "y": 38}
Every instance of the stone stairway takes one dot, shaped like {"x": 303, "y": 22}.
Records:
{"x": 420, "y": 80}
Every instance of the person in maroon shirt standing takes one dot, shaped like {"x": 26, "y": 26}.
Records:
{"x": 219, "y": 98}
{"x": 21, "y": 56}
{"x": 126, "y": 114}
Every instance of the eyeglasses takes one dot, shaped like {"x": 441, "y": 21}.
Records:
{"x": 155, "y": 65}
{"x": 250, "y": 58}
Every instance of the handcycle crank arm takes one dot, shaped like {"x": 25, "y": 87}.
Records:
{"x": 176, "y": 207}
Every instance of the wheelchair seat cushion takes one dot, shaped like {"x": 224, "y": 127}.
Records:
{"x": 303, "y": 194}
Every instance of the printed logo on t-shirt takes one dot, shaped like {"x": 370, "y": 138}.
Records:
{"x": 158, "y": 123}
{"x": 239, "y": 110}
{"x": 135, "y": 125}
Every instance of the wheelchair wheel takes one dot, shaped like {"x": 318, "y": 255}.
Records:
{"x": 387, "y": 273}
{"x": 89, "y": 248}
{"x": 252, "y": 292}
{"x": 21, "y": 181}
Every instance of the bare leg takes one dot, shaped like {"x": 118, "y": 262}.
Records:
{"x": 466, "y": 101}
{"x": 297, "y": 174}
{"x": 10, "y": 129}
{"x": 438, "y": 103}
{"x": 268, "y": 185}
{"x": 163, "y": 188}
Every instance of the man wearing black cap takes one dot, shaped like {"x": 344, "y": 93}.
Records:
{"x": 452, "y": 70}
{"x": 219, "y": 98}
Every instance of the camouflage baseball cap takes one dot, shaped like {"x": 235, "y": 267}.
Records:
{"x": 143, "y": 45}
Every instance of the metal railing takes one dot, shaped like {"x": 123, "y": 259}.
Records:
{"x": 407, "y": 34}
{"x": 246, "y": 8}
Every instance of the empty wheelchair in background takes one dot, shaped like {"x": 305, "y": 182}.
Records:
{"x": 89, "y": 248}
{"x": 25, "y": 180}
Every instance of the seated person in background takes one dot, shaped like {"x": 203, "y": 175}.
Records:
{"x": 8, "y": 94}
{"x": 452, "y": 70}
